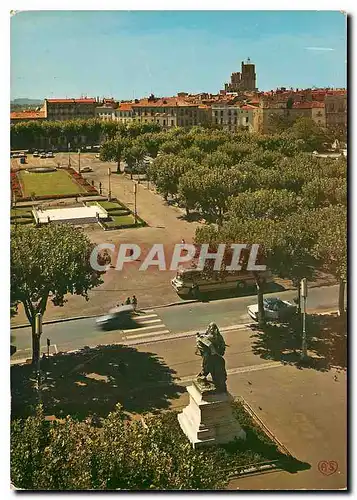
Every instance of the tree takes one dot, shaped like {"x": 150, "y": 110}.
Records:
{"x": 134, "y": 154}
{"x": 150, "y": 453}
{"x": 113, "y": 150}
{"x": 263, "y": 204}
{"x": 331, "y": 244}
{"x": 324, "y": 192}
{"x": 312, "y": 134}
{"x": 49, "y": 262}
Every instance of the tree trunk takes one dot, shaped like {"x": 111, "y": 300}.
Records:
{"x": 35, "y": 345}
{"x": 118, "y": 165}
{"x": 341, "y": 298}
{"x": 261, "y": 312}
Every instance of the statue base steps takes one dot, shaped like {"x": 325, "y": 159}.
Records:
{"x": 208, "y": 418}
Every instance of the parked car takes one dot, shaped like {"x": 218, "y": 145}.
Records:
{"x": 36, "y": 154}
{"x": 274, "y": 308}
{"x": 50, "y": 155}
{"x": 119, "y": 317}
{"x": 42, "y": 155}
{"x": 86, "y": 169}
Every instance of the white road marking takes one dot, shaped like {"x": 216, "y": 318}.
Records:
{"x": 143, "y": 328}
{"x": 150, "y": 321}
{"x": 146, "y": 334}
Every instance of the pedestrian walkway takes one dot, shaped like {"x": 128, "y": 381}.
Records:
{"x": 150, "y": 326}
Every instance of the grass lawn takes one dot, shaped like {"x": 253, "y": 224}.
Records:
{"x": 48, "y": 183}
{"x": 21, "y": 216}
{"x": 121, "y": 221}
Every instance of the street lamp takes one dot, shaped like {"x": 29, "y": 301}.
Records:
{"x": 38, "y": 332}
{"x": 303, "y": 292}
{"x": 79, "y": 161}
{"x": 135, "y": 212}
{"x": 109, "y": 187}
{"x": 69, "y": 154}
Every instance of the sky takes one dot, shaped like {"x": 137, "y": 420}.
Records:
{"x": 130, "y": 54}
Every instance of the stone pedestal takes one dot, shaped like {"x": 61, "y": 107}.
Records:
{"x": 208, "y": 418}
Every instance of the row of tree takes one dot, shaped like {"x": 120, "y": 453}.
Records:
{"x": 37, "y": 134}
{"x": 255, "y": 189}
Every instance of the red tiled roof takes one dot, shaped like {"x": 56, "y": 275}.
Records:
{"x": 302, "y": 105}
{"x": 317, "y": 104}
{"x": 27, "y": 115}
{"x": 125, "y": 106}
{"x": 163, "y": 102}
{"x": 72, "y": 101}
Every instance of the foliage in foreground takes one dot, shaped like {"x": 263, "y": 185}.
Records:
{"x": 74, "y": 455}
{"x": 150, "y": 454}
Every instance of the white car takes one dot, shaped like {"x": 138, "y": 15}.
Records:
{"x": 50, "y": 155}
{"x": 86, "y": 169}
{"x": 36, "y": 154}
{"x": 274, "y": 308}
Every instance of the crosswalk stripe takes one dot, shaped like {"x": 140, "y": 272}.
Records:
{"x": 148, "y": 310}
{"x": 143, "y": 335}
{"x": 146, "y": 316}
{"x": 150, "y": 321}
{"x": 143, "y": 328}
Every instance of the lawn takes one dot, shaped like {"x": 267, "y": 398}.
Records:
{"x": 48, "y": 183}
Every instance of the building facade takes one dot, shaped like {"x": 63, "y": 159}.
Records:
{"x": 336, "y": 110}
{"x": 168, "y": 112}
{"x": 69, "y": 109}
{"x": 233, "y": 117}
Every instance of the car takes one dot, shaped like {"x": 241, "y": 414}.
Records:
{"x": 42, "y": 155}
{"x": 275, "y": 309}
{"x": 86, "y": 169}
{"x": 36, "y": 154}
{"x": 118, "y": 317}
{"x": 50, "y": 155}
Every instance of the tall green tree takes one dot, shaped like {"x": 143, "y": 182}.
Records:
{"x": 113, "y": 150}
{"x": 49, "y": 262}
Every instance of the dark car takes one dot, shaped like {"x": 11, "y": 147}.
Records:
{"x": 117, "y": 318}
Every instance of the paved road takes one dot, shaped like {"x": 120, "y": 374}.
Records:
{"x": 164, "y": 322}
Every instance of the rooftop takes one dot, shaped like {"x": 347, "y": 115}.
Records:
{"x": 27, "y": 115}
{"x": 84, "y": 100}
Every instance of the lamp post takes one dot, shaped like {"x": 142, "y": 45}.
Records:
{"x": 135, "y": 212}
{"x": 69, "y": 154}
{"x": 38, "y": 332}
{"x": 79, "y": 161}
{"x": 303, "y": 292}
{"x": 109, "y": 187}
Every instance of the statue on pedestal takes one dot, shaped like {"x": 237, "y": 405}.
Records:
{"x": 211, "y": 347}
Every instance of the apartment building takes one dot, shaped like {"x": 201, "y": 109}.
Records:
{"x": 124, "y": 113}
{"x": 233, "y": 116}
{"x": 69, "y": 109}
{"x": 336, "y": 110}
{"x": 168, "y": 112}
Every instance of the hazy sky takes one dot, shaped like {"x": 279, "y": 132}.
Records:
{"x": 128, "y": 54}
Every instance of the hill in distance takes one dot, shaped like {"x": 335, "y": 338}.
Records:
{"x": 24, "y": 101}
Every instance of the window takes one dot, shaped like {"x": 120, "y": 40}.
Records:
{"x": 172, "y": 123}
{"x": 164, "y": 123}
{"x": 246, "y": 119}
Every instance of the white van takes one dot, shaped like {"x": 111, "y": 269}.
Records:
{"x": 190, "y": 282}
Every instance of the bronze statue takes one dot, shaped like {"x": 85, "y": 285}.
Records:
{"x": 211, "y": 346}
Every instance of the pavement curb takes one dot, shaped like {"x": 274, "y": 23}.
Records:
{"x": 63, "y": 320}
